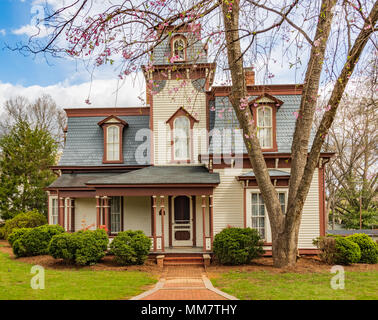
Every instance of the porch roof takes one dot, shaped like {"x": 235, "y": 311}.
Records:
{"x": 273, "y": 173}
{"x": 77, "y": 180}
{"x": 158, "y": 175}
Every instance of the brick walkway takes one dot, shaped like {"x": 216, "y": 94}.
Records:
{"x": 183, "y": 283}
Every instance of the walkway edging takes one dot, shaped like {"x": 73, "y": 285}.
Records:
{"x": 157, "y": 287}
{"x": 210, "y": 287}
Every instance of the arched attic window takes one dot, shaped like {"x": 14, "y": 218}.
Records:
{"x": 181, "y": 139}
{"x": 113, "y": 130}
{"x": 178, "y": 48}
{"x": 181, "y": 124}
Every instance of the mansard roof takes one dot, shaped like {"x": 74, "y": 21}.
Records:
{"x": 85, "y": 139}
{"x": 222, "y": 116}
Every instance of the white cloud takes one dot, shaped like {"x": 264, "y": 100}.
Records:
{"x": 3, "y": 32}
{"x": 30, "y": 30}
{"x": 103, "y": 93}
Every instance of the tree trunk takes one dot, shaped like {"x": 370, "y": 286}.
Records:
{"x": 284, "y": 250}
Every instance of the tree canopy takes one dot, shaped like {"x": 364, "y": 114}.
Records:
{"x": 26, "y": 154}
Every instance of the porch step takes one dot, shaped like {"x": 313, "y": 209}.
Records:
{"x": 183, "y": 260}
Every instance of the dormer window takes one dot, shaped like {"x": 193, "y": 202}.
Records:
{"x": 181, "y": 124}
{"x": 264, "y": 109}
{"x": 113, "y": 130}
{"x": 178, "y": 48}
{"x": 113, "y": 143}
{"x": 264, "y": 127}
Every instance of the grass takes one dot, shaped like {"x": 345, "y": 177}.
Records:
{"x": 15, "y": 278}
{"x": 263, "y": 285}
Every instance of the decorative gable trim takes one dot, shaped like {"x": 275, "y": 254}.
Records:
{"x": 266, "y": 98}
{"x": 181, "y": 112}
{"x": 112, "y": 120}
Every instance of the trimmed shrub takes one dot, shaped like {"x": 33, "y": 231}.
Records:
{"x": 369, "y": 248}
{"x": 33, "y": 241}
{"x": 347, "y": 252}
{"x": 237, "y": 245}
{"x": 338, "y": 250}
{"x": 16, "y": 234}
{"x": 130, "y": 247}
{"x": 30, "y": 219}
{"x": 82, "y": 247}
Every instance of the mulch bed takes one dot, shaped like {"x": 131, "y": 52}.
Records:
{"x": 305, "y": 264}
{"x": 107, "y": 263}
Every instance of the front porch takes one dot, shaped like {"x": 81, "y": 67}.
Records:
{"x": 178, "y": 217}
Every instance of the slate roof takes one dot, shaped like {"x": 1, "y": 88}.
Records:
{"x": 285, "y": 121}
{"x": 85, "y": 141}
{"x": 180, "y": 174}
{"x": 194, "y": 51}
{"x": 78, "y": 180}
{"x": 272, "y": 173}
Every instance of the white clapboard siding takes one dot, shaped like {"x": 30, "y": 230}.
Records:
{"x": 228, "y": 200}
{"x": 137, "y": 214}
{"x": 229, "y": 206}
{"x": 165, "y": 104}
{"x": 85, "y": 213}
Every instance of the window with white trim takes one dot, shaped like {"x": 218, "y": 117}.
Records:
{"x": 54, "y": 211}
{"x": 112, "y": 143}
{"x": 115, "y": 215}
{"x": 265, "y": 127}
{"x": 258, "y": 213}
{"x": 178, "y": 49}
{"x": 181, "y": 138}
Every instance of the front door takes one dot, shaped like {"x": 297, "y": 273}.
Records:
{"x": 182, "y": 224}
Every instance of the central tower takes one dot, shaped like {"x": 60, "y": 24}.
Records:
{"x": 177, "y": 79}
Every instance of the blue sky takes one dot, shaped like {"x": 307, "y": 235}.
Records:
{"x": 16, "y": 68}
{"x": 67, "y": 81}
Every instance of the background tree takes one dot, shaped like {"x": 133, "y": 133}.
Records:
{"x": 26, "y": 156}
{"x": 42, "y": 113}
{"x": 351, "y": 175}
{"x": 236, "y": 31}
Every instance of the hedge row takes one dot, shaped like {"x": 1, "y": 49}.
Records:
{"x": 358, "y": 248}
{"x": 82, "y": 247}
{"x": 33, "y": 241}
{"x": 30, "y": 219}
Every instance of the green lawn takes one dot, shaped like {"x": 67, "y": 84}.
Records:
{"x": 294, "y": 286}
{"x": 81, "y": 284}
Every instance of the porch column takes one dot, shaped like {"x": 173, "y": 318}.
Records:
{"x": 211, "y": 218}
{"x": 106, "y": 213}
{"x": 72, "y": 215}
{"x": 98, "y": 212}
{"x": 154, "y": 220}
{"x": 61, "y": 211}
{"x": 68, "y": 206}
{"x": 203, "y": 222}
{"x": 162, "y": 210}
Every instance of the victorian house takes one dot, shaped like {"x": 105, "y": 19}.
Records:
{"x": 177, "y": 169}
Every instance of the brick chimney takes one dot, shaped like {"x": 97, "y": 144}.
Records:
{"x": 249, "y": 76}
